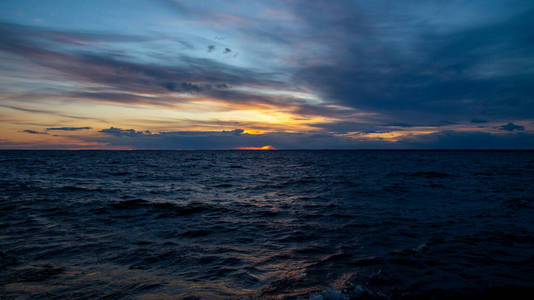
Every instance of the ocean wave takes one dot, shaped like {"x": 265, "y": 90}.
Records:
{"x": 275, "y": 225}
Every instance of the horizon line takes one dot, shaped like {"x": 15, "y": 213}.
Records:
{"x": 274, "y": 150}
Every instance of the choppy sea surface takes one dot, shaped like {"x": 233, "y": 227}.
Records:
{"x": 266, "y": 224}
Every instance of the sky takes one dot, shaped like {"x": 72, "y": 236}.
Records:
{"x": 280, "y": 74}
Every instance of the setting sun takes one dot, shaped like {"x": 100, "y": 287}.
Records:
{"x": 267, "y": 147}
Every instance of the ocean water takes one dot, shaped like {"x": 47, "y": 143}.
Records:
{"x": 266, "y": 224}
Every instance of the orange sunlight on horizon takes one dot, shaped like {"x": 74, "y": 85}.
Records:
{"x": 266, "y": 147}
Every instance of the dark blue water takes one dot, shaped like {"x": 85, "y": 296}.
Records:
{"x": 274, "y": 224}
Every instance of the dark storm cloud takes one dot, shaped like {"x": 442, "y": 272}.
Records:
{"x": 393, "y": 64}
{"x": 67, "y": 128}
{"x": 511, "y": 127}
{"x": 407, "y": 60}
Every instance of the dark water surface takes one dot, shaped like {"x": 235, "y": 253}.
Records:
{"x": 246, "y": 224}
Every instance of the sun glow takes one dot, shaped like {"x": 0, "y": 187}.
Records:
{"x": 390, "y": 136}
{"x": 254, "y": 131}
{"x": 266, "y": 147}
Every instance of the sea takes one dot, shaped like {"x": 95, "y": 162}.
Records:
{"x": 266, "y": 225}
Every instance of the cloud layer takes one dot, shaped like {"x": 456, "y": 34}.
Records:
{"x": 292, "y": 74}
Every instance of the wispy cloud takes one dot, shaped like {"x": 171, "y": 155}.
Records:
{"x": 34, "y": 132}
{"x": 68, "y": 128}
{"x": 24, "y": 109}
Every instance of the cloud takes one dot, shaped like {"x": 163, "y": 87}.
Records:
{"x": 385, "y": 63}
{"x": 345, "y": 127}
{"x": 25, "y": 109}
{"x": 375, "y": 126}
{"x": 183, "y": 87}
{"x": 123, "y": 74}
{"x": 470, "y": 140}
{"x": 361, "y": 66}
{"x": 211, "y": 140}
{"x": 42, "y": 111}
{"x": 127, "y": 80}
{"x": 9, "y": 31}
{"x": 123, "y": 132}
{"x": 68, "y": 128}
{"x": 233, "y": 139}
{"x": 34, "y": 132}
{"x": 511, "y": 127}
